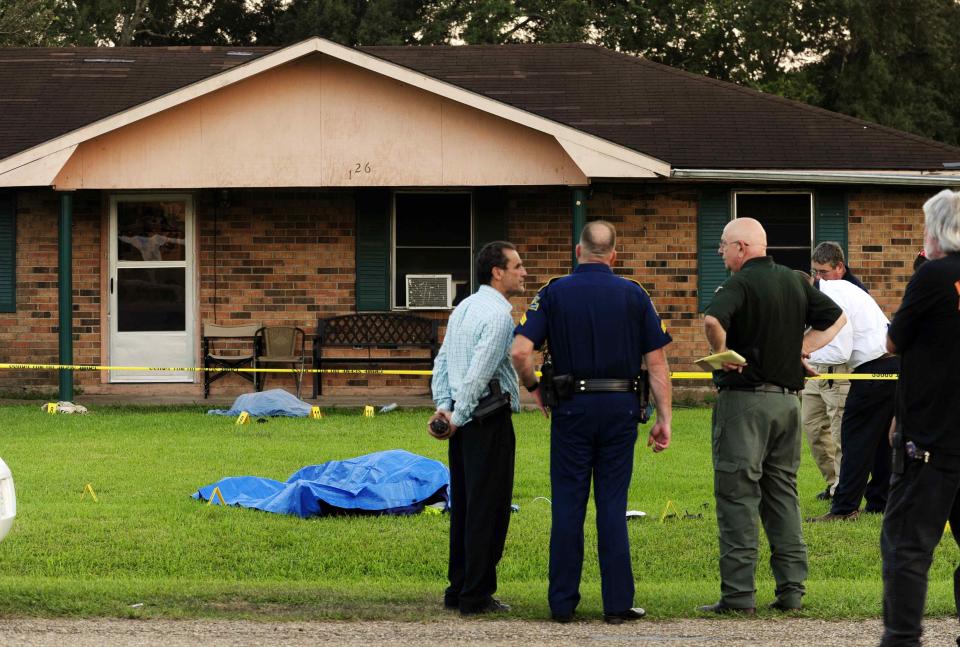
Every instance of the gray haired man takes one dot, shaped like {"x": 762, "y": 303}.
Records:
{"x": 924, "y": 487}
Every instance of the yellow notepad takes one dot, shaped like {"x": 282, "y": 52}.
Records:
{"x": 716, "y": 361}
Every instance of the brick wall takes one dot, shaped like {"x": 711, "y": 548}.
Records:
{"x": 886, "y": 233}
{"x": 287, "y": 257}
{"x": 31, "y": 334}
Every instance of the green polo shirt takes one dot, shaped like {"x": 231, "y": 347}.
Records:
{"x": 765, "y": 309}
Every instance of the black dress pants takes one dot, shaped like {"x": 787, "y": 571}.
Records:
{"x": 481, "y": 458}
{"x": 921, "y": 501}
{"x": 863, "y": 439}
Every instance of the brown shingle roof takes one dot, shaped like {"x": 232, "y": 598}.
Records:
{"x": 686, "y": 120}
{"x": 47, "y": 92}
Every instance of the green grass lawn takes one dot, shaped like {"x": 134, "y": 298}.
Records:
{"x": 146, "y": 541}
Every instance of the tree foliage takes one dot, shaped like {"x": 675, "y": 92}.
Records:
{"x": 890, "y": 61}
{"x": 26, "y": 23}
{"x": 896, "y": 64}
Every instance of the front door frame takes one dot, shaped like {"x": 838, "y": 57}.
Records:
{"x": 187, "y": 356}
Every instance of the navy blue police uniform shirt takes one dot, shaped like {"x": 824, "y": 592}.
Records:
{"x": 597, "y": 324}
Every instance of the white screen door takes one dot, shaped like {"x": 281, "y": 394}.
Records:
{"x": 151, "y": 286}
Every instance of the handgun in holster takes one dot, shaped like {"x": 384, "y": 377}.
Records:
{"x": 494, "y": 402}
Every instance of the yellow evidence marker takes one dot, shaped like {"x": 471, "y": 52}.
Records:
{"x": 216, "y": 494}
{"x": 93, "y": 495}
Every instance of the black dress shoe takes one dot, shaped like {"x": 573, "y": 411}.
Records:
{"x": 619, "y": 618}
{"x": 562, "y": 618}
{"x": 451, "y": 603}
{"x": 779, "y": 605}
{"x": 493, "y": 605}
{"x": 721, "y": 608}
{"x": 825, "y": 495}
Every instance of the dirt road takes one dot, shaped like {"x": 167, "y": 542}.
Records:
{"x": 787, "y": 632}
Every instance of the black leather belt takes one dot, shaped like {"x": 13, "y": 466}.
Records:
{"x": 867, "y": 367}
{"x": 606, "y": 386}
{"x": 761, "y": 388}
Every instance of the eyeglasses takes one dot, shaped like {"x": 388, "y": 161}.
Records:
{"x": 815, "y": 272}
{"x": 724, "y": 243}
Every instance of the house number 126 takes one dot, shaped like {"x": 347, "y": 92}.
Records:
{"x": 359, "y": 169}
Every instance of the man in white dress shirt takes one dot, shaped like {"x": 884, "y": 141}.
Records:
{"x": 823, "y": 401}
{"x": 869, "y": 406}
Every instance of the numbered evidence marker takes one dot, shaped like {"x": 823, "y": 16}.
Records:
{"x": 315, "y": 413}
{"x": 243, "y": 418}
{"x": 368, "y": 411}
{"x": 52, "y": 408}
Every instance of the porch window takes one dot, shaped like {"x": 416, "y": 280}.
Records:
{"x": 8, "y": 253}
{"x": 432, "y": 234}
{"x": 788, "y": 221}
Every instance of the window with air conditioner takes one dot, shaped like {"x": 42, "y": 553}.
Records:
{"x": 788, "y": 220}
{"x": 431, "y": 239}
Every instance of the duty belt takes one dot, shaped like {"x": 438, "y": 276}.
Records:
{"x": 606, "y": 386}
{"x": 761, "y": 388}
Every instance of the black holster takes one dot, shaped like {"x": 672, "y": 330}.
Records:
{"x": 563, "y": 385}
{"x": 492, "y": 403}
{"x": 898, "y": 452}
{"x": 548, "y": 387}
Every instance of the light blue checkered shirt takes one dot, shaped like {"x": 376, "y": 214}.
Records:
{"x": 475, "y": 350}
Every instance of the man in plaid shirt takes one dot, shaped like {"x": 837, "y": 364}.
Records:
{"x": 476, "y": 350}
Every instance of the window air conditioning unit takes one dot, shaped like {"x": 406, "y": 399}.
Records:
{"x": 428, "y": 291}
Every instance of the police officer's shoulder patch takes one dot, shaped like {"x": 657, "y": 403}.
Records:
{"x": 535, "y": 304}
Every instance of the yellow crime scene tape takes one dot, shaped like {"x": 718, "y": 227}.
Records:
{"x": 676, "y": 375}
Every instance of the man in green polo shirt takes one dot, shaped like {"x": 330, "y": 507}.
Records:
{"x": 761, "y": 312}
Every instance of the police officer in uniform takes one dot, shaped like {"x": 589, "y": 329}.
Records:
{"x": 599, "y": 329}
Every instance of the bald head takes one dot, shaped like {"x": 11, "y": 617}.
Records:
{"x": 743, "y": 239}
{"x": 598, "y": 242}
{"x": 749, "y": 231}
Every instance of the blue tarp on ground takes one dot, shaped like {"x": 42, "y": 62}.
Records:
{"x": 275, "y": 402}
{"x": 392, "y": 482}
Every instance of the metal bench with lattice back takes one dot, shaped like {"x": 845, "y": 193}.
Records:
{"x": 370, "y": 332}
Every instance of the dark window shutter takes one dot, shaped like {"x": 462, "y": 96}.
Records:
{"x": 8, "y": 252}
{"x": 831, "y": 217}
{"x": 373, "y": 250}
{"x": 713, "y": 214}
{"x": 489, "y": 216}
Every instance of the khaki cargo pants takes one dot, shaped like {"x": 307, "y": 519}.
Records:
{"x": 821, "y": 410}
